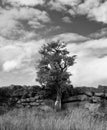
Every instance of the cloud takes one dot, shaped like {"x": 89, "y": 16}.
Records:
{"x": 69, "y": 2}
{"x": 70, "y": 37}
{"x": 20, "y": 55}
{"x": 90, "y": 71}
{"x": 91, "y": 63}
{"x": 61, "y": 5}
{"x": 27, "y": 13}
{"x": 99, "y": 13}
{"x": 102, "y": 33}
{"x": 25, "y": 2}
{"x": 10, "y": 65}
{"x": 66, "y": 19}
{"x": 15, "y": 22}
{"x": 87, "y": 6}
{"x": 8, "y": 25}
{"x": 93, "y": 9}
{"x": 56, "y": 6}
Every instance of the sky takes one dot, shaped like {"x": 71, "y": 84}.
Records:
{"x": 25, "y": 25}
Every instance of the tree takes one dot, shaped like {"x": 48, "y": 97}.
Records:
{"x": 52, "y": 68}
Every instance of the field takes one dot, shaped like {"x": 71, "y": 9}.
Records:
{"x": 34, "y": 119}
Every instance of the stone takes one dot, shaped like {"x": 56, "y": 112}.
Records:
{"x": 88, "y": 93}
{"x": 46, "y": 108}
{"x": 32, "y": 99}
{"x": 95, "y": 99}
{"x": 76, "y": 98}
{"x": 36, "y": 97}
{"x": 93, "y": 107}
{"x": 18, "y": 102}
{"x": 99, "y": 94}
{"x": 34, "y": 104}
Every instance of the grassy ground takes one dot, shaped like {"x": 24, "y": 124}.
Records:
{"x": 33, "y": 119}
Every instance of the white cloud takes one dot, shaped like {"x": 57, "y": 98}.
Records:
{"x": 56, "y": 6}
{"x": 90, "y": 71}
{"x": 93, "y": 9}
{"x": 8, "y": 25}
{"x": 27, "y": 13}
{"x": 70, "y": 37}
{"x": 91, "y": 66}
{"x": 19, "y": 55}
{"x": 66, "y": 19}
{"x": 99, "y": 13}
{"x": 25, "y": 2}
{"x": 87, "y": 6}
{"x": 69, "y": 2}
{"x": 10, "y": 65}
{"x": 10, "y": 21}
{"x": 60, "y": 5}
{"x": 72, "y": 12}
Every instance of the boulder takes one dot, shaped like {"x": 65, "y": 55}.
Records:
{"x": 88, "y": 93}
{"x": 92, "y": 107}
{"x": 46, "y": 108}
{"x": 95, "y": 99}
{"x": 34, "y": 104}
{"x": 99, "y": 94}
{"x": 76, "y": 98}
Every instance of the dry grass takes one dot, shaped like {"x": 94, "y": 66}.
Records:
{"x": 32, "y": 119}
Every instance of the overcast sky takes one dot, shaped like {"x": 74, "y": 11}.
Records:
{"x": 25, "y": 25}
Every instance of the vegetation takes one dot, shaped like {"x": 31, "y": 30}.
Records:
{"x": 32, "y": 119}
{"x": 53, "y": 66}
{"x": 52, "y": 74}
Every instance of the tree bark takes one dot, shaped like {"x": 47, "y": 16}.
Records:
{"x": 58, "y": 101}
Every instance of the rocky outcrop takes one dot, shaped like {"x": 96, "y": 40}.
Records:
{"x": 92, "y": 99}
{"x": 76, "y": 98}
{"x": 30, "y": 102}
{"x": 30, "y": 96}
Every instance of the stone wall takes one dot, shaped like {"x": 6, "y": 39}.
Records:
{"x": 30, "y": 96}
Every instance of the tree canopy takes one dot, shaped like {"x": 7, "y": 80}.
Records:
{"x": 53, "y": 65}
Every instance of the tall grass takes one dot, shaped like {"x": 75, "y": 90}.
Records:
{"x": 33, "y": 119}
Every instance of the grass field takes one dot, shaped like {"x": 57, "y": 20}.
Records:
{"x": 33, "y": 119}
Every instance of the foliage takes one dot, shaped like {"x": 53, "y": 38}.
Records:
{"x": 53, "y": 66}
{"x": 32, "y": 119}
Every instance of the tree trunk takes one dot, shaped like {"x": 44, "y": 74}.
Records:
{"x": 58, "y": 101}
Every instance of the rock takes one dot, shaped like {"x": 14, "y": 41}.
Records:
{"x": 99, "y": 94}
{"x": 34, "y": 104}
{"x": 46, "y": 108}
{"x": 42, "y": 103}
{"x": 83, "y": 97}
{"x": 39, "y": 101}
{"x": 18, "y": 102}
{"x": 93, "y": 107}
{"x": 27, "y": 100}
{"x": 76, "y": 98}
{"x": 95, "y": 99}
{"x": 49, "y": 102}
{"x": 36, "y": 97}
{"x": 22, "y": 100}
{"x": 88, "y": 93}
{"x": 32, "y": 99}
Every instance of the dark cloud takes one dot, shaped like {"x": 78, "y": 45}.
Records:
{"x": 102, "y": 33}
